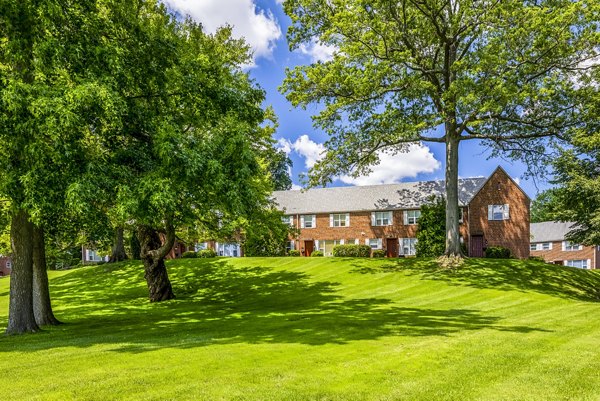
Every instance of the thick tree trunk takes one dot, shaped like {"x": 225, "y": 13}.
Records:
{"x": 20, "y": 312}
{"x": 153, "y": 253}
{"x": 452, "y": 232}
{"x": 42, "y": 308}
{"x": 118, "y": 250}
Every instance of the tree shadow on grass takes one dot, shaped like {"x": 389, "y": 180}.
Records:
{"x": 501, "y": 274}
{"x": 221, "y": 304}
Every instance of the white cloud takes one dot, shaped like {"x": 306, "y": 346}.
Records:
{"x": 517, "y": 180}
{"x": 296, "y": 187}
{"x": 394, "y": 167}
{"x": 285, "y": 145}
{"x": 258, "y": 27}
{"x": 317, "y": 51}
{"x": 309, "y": 149}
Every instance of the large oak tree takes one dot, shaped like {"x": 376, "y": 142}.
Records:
{"x": 502, "y": 72}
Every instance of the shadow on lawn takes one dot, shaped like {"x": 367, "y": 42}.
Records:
{"x": 501, "y": 274}
{"x": 221, "y": 304}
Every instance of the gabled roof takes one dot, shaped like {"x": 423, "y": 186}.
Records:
{"x": 407, "y": 195}
{"x": 549, "y": 231}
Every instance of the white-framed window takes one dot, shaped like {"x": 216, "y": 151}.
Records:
{"x": 498, "y": 212}
{"x": 230, "y": 249}
{"x": 339, "y": 220}
{"x": 287, "y": 220}
{"x": 579, "y": 263}
{"x": 381, "y": 218}
{"x": 411, "y": 217}
{"x": 200, "y": 246}
{"x": 541, "y": 246}
{"x": 374, "y": 243}
{"x": 569, "y": 246}
{"x": 8, "y": 264}
{"x": 290, "y": 245}
{"x": 308, "y": 221}
{"x": 407, "y": 246}
{"x": 352, "y": 241}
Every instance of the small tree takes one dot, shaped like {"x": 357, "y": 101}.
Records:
{"x": 431, "y": 231}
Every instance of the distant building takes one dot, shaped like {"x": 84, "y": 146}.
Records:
{"x": 548, "y": 242}
{"x": 5, "y": 266}
{"x": 494, "y": 211}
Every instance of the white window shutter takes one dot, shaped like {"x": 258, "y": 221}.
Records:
{"x": 564, "y": 246}
{"x": 356, "y": 241}
{"x": 302, "y": 221}
{"x": 405, "y": 213}
{"x": 379, "y": 243}
{"x": 566, "y": 262}
{"x": 366, "y": 241}
{"x": 401, "y": 246}
{"x": 331, "y": 220}
{"x": 317, "y": 244}
{"x": 506, "y": 214}
{"x": 589, "y": 264}
{"x": 347, "y": 219}
{"x": 490, "y": 212}
{"x": 341, "y": 242}
{"x": 372, "y": 218}
{"x": 314, "y": 220}
{"x": 391, "y": 219}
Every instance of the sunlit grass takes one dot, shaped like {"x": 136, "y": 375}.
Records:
{"x": 314, "y": 328}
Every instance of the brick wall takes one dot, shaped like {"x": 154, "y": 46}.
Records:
{"x": 512, "y": 233}
{"x": 5, "y": 270}
{"x": 360, "y": 227}
{"x": 556, "y": 254}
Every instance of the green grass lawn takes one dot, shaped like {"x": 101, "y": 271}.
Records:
{"x": 313, "y": 329}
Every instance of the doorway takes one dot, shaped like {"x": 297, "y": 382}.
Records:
{"x": 477, "y": 246}
{"x": 309, "y": 246}
{"x": 392, "y": 247}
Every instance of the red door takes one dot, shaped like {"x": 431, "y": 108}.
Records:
{"x": 308, "y": 247}
{"x": 477, "y": 246}
{"x": 392, "y": 247}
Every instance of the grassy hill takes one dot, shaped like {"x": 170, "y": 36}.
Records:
{"x": 314, "y": 329}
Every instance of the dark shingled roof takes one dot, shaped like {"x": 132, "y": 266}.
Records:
{"x": 407, "y": 195}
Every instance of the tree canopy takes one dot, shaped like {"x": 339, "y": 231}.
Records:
{"x": 504, "y": 73}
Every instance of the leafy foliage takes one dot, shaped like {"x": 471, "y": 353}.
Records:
{"x": 497, "y": 252}
{"x": 294, "y": 252}
{"x": 206, "y": 253}
{"x": 545, "y": 206}
{"x": 352, "y": 250}
{"x": 317, "y": 253}
{"x": 505, "y": 73}
{"x": 189, "y": 255}
{"x": 378, "y": 253}
{"x": 431, "y": 230}
{"x": 265, "y": 234}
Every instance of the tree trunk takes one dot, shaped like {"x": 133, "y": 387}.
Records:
{"x": 452, "y": 232}
{"x": 42, "y": 308}
{"x": 20, "y": 312}
{"x": 118, "y": 250}
{"x": 153, "y": 254}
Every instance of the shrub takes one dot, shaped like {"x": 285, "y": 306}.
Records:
{"x": 294, "y": 252}
{"x": 206, "y": 253}
{"x": 378, "y": 253}
{"x": 497, "y": 252}
{"x": 431, "y": 229}
{"x": 356, "y": 251}
{"x": 317, "y": 253}
{"x": 537, "y": 259}
{"x": 189, "y": 255}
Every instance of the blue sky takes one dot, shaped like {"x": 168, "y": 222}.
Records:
{"x": 264, "y": 24}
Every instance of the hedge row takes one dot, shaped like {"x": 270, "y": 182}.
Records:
{"x": 356, "y": 251}
{"x": 204, "y": 253}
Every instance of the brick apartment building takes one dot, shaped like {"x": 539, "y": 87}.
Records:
{"x": 5, "y": 266}
{"x": 495, "y": 212}
{"x": 548, "y": 242}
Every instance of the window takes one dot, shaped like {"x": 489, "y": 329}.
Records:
{"x": 308, "y": 221}
{"x": 374, "y": 243}
{"x": 541, "y": 246}
{"x": 411, "y": 216}
{"x": 8, "y": 264}
{"x": 581, "y": 263}
{"x": 326, "y": 246}
{"x": 339, "y": 220}
{"x": 287, "y": 220}
{"x": 289, "y": 245}
{"x": 568, "y": 246}
{"x": 498, "y": 212}
{"x": 407, "y": 246}
{"x": 200, "y": 246}
{"x": 381, "y": 218}
{"x": 351, "y": 241}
